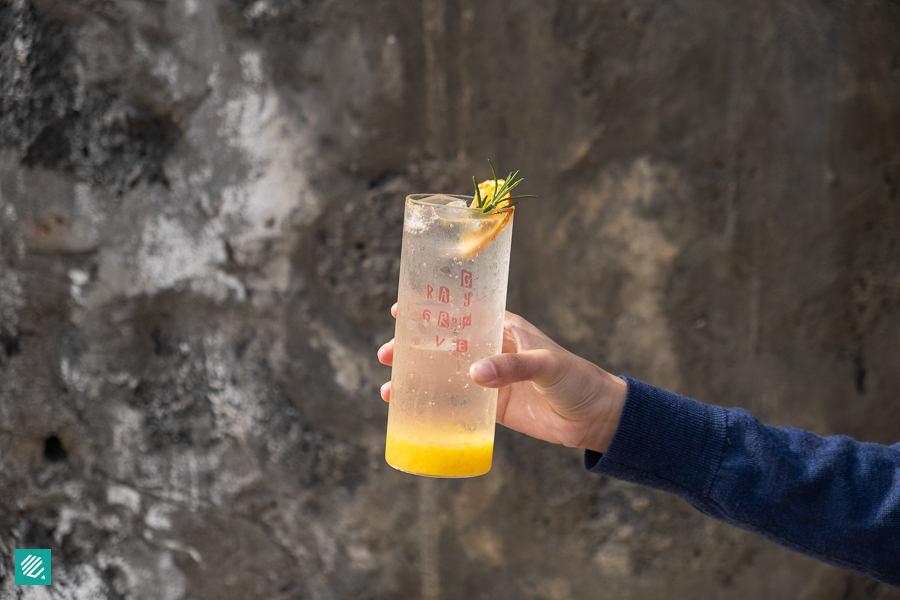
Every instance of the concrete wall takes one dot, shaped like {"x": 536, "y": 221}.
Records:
{"x": 200, "y": 217}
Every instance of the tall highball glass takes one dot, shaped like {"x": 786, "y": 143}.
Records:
{"x": 454, "y": 268}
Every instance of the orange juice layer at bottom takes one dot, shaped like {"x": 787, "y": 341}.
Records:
{"x": 465, "y": 458}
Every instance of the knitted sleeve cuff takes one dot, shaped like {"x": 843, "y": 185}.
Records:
{"x": 665, "y": 441}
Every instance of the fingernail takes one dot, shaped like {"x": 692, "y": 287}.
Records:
{"x": 385, "y": 387}
{"x": 483, "y": 371}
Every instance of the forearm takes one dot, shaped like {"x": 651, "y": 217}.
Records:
{"x": 829, "y": 497}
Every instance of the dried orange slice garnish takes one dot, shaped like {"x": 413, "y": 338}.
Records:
{"x": 494, "y": 198}
{"x": 486, "y": 228}
{"x": 487, "y": 189}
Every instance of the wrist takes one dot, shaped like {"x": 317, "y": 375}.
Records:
{"x": 612, "y": 395}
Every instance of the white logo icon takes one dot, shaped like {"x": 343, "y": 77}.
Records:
{"x": 31, "y": 567}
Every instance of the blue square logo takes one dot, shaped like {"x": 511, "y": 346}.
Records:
{"x": 33, "y": 567}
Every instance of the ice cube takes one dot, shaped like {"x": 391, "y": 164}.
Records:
{"x": 457, "y": 203}
{"x": 418, "y": 218}
{"x": 415, "y": 221}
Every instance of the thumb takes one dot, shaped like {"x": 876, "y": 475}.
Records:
{"x": 543, "y": 367}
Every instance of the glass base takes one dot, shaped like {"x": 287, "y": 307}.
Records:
{"x": 439, "y": 476}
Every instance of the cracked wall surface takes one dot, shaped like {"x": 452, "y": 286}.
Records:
{"x": 200, "y": 220}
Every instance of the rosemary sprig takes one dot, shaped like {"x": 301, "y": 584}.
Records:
{"x": 489, "y": 206}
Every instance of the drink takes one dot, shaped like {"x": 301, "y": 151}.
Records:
{"x": 453, "y": 275}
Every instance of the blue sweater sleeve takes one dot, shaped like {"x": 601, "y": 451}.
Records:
{"x": 831, "y": 498}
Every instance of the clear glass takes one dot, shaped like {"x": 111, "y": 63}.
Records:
{"x": 454, "y": 268}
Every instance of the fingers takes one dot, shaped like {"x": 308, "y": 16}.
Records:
{"x": 386, "y": 357}
{"x": 386, "y": 354}
{"x": 543, "y": 367}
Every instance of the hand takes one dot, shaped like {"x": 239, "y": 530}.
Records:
{"x": 544, "y": 391}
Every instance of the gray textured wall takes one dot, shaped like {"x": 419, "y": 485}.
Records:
{"x": 200, "y": 213}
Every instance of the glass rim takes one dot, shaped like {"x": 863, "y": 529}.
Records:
{"x": 422, "y": 200}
